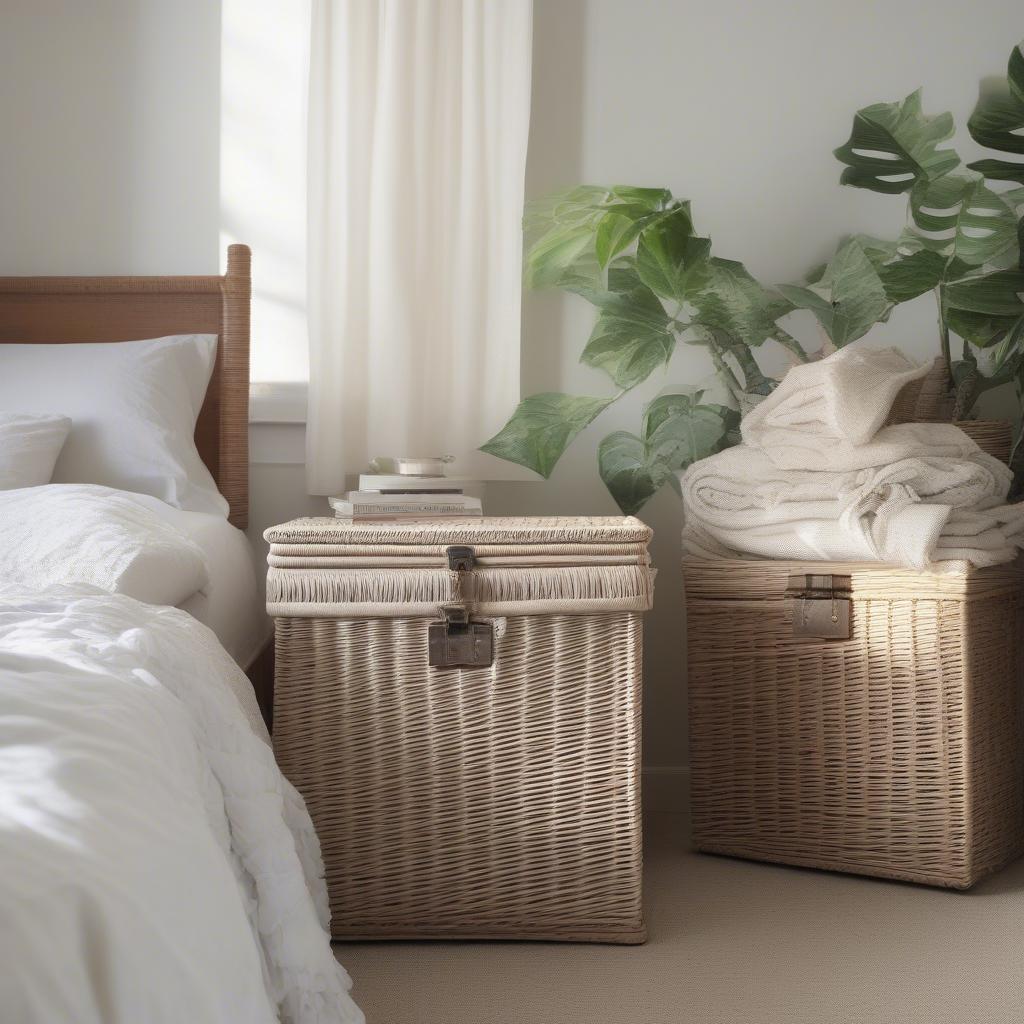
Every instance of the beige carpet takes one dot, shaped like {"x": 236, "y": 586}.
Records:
{"x": 731, "y": 943}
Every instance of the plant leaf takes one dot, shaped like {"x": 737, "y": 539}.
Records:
{"x": 542, "y": 427}
{"x": 906, "y": 277}
{"x": 670, "y": 259}
{"x": 850, "y": 297}
{"x": 633, "y": 335}
{"x": 651, "y": 198}
{"x": 984, "y": 308}
{"x": 615, "y": 232}
{"x": 729, "y": 300}
{"x": 677, "y": 430}
{"x": 555, "y": 255}
{"x": 975, "y": 225}
{"x": 893, "y": 145}
{"x": 997, "y": 121}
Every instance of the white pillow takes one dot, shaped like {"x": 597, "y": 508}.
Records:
{"x": 79, "y": 533}
{"x": 133, "y": 408}
{"x": 29, "y": 446}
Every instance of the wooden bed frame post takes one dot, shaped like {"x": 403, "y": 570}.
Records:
{"x": 234, "y": 411}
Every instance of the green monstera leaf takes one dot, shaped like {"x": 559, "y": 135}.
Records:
{"x": 986, "y": 308}
{"x": 676, "y": 430}
{"x": 892, "y": 146}
{"x": 960, "y": 217}
{"x": 542, "y": 427}
{"x": 998, "y": 123}
{"x": 633, "y": 335}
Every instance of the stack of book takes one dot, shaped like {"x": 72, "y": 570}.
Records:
{"x": 395, "y": 496}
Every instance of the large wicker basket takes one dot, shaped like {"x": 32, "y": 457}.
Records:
{"x": 896, "y": 752}
{"x": 500, "y": 801}
{"x": 930, "y": 399}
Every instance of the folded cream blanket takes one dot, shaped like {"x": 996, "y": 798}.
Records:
{"x": 819, "y": 477}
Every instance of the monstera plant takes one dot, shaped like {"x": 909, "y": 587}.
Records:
{"x": 962, "y": 238}
{"x": 635, "y": 255}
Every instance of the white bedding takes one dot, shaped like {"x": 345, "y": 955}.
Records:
{"x": 154, "y": 863}
{"x": 231, "y": 603}
{"x": 135, "y": 544}
{"x": 83, "y": 533}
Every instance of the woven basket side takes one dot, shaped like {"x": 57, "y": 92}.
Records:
{"x": 930, "y": 399}
{"x": 497, "y": 802}
{"x": 994, "y": 663}
{"x": 895, "y": 753}
{"x": 994, "y": 437}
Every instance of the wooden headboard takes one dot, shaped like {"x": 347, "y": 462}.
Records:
{"x": 79, "y": 309}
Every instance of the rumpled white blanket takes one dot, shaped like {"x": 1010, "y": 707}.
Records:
{"x": 818, "y": 477}
{"x": 85, "y": 533}
{"x": 154, "y": 863}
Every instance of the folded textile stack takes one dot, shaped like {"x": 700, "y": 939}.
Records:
{"x": 818, "y": 476}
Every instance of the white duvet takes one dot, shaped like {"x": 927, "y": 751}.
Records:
{"x": 155, "y": 866}
{"x": 84, "y": 533}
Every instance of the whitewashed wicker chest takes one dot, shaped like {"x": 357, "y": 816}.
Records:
{"x": 459, "y": 704}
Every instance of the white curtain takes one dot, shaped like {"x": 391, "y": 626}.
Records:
{"x": 418, "y": 120}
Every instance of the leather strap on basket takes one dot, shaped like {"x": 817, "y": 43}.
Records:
{"x": 456, "y": 640}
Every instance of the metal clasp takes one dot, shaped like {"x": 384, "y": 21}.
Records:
{"x": 457, "y": 640}
{"x": 460, "y": 558}
{"x": 822, "y": 607}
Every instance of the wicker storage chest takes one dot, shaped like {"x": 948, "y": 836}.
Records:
{"x": 482, "y": 798}
{"x": 896, "y": 752}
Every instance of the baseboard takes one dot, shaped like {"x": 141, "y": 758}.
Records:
{"x": 666, "y": 788}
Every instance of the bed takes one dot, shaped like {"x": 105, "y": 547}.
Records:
{"x": 70, "y": 310}
{"x": 154, "y": 863}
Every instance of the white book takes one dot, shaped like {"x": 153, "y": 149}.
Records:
{"x": 368, "y": 503}
{"x": 395, "y": 483}
{"x": 405, "y": 517}
{"x": 413, "y": 498}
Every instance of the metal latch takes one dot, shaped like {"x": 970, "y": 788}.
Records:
{"x": 460, "y": 559}
{"x": 821, "y": 606}
{"x": 457, "y": 640}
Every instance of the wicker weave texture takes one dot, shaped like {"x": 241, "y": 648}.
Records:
{"x": 896, "y": 753}
{"x": 932, "y": 399}
{"x": 992, "y": 436}
{"x": 497, "y": 802}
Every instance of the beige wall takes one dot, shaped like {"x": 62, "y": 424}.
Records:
{"x": 110, "y": 125}
{"x": 109, "y": 112}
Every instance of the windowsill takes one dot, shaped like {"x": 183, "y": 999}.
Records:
{"x": 277, "y": 401}
{"x": 283, "y": 403}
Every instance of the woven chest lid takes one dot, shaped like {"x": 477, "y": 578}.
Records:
{"x": 559, "y": 530}
{"x": 529, "y": 565}
{"x": 772, "y": 579}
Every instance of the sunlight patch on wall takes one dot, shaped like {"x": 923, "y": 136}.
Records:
{"x": 264, "y": 76}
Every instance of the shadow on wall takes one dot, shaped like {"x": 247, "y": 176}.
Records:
{"x": 554, "y": 161}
